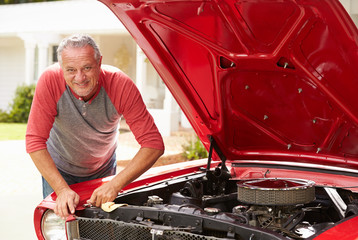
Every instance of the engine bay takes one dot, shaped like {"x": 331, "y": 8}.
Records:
{"x": 223, "y": 208}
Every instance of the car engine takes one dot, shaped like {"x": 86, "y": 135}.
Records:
{"x": 205, "y": 206}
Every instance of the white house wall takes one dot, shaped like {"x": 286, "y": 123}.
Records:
{"x": 119, "y": 51}
{"x": 11, "y": 69}
{"x": 351, "y": 7}
{"x": 29, "y": 30}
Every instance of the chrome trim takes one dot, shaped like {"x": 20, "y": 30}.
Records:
{"x": 72, "y": 230}
{"x": 337, "y": 200}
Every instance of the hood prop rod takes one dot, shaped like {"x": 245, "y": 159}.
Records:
{"x": 218, "y": 178}
{"x": 214, "y": 145}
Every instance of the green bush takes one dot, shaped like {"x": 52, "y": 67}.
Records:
{"x": 194, "y": 149}
{"x": 4, "y": 116}
{"x": 21, "y": 105}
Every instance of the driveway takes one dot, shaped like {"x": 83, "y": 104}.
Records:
{"x": 21, "y": 188}
{"x": 20, "y": 191}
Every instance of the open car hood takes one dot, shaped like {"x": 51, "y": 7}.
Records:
{"x": 263, "y": 79}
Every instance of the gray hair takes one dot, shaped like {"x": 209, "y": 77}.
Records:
{"x": 78, "y": 41}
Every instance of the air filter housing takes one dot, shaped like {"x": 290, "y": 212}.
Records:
{"x": 276, "y": 191}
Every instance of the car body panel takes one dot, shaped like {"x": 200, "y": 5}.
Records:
{"x": 261, "y": 77}
{"x": 345, "y": 231}
{"x": 320, "y": 174}
{"x": 85, "y": 189}
{"x": 269, "y": 86}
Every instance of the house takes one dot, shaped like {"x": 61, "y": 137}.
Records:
{"x": 30, "y": 33}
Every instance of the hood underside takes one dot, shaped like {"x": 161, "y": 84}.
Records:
{"x": 267, "y": 79}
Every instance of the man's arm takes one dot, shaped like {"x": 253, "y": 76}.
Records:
{"x": 67, "y": 199}
{"x": 142, "y": 161}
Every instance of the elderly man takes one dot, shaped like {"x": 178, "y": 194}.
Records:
{"x": 73, "y": 125}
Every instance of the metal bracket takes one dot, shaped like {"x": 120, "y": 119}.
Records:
{"x": 221, "y": 174}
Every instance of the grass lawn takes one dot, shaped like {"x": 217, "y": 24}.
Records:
{"x": 12, "y": 131}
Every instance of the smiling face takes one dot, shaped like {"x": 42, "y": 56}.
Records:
{"x": 81, "y": 70}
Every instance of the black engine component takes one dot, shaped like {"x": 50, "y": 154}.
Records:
{"x": 193, "y": 212}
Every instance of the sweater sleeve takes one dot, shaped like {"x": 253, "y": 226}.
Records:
{"x": 49, "y": 89}
{"x": 126, "y": 98}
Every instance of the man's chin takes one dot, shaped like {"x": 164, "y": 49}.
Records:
{"x": 82, "y": 94}
{"x": 85, "y": 94}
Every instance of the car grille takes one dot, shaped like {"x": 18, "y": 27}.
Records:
{"x": 109, "y": 229}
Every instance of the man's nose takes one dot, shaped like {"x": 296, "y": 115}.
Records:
{"x": 80, "y": 76}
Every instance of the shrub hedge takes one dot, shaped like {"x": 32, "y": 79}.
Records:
{"x": 20, "y": 106}
{"x": 194, "y": 149}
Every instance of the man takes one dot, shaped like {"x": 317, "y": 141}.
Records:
{"x": 73, "y": 125}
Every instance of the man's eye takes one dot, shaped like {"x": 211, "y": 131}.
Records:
{"x": 70, "y": 70}
{"x": 88, "y": 68}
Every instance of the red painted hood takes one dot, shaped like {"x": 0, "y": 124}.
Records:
{"x": 267, "y": 79}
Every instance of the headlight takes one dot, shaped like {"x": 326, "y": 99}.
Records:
{"x": 52, "y": 226}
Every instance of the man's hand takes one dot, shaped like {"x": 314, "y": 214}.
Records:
{"x": 67, "y": 199}
{"x": 66, "y": 203}
{"x": 141, "y": 162}
{"x": 103, "y": 194}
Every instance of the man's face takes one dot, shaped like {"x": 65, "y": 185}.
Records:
{"x": 81, "y": 70}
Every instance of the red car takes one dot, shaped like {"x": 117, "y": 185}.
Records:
{"x": 271, "y": 89}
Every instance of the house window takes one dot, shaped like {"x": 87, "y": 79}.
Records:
{"x": 54, "y": 54}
